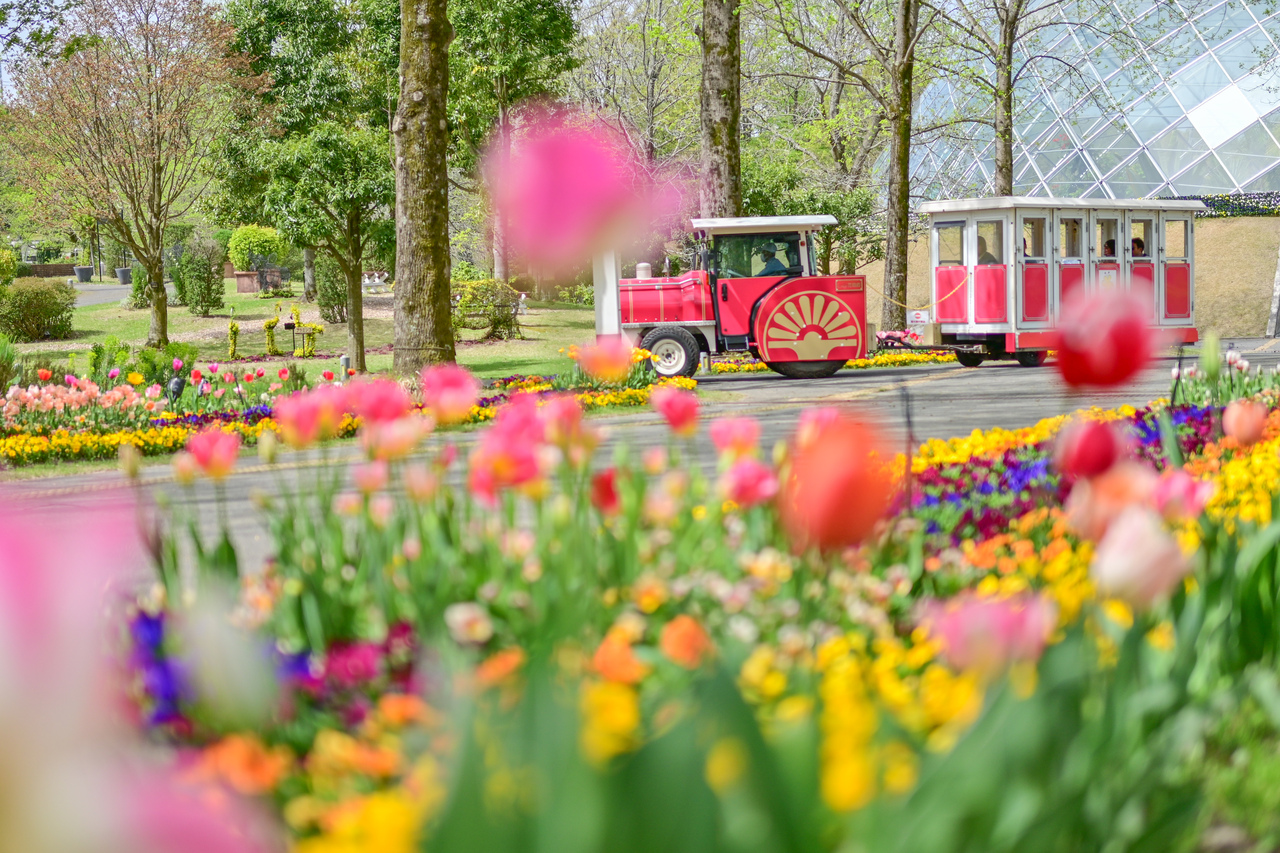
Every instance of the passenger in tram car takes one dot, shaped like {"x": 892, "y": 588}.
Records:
{"x": 1109, "y": 249}
{"x": 985, "y": 257}
{"x": 1139, "y": 248}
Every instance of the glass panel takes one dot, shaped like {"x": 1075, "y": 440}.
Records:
{"x": 1198, "y": 82}
{"x": 1140, "y": 233}
{"x": 1033, "y": 232}
{"x": 1104, "y": 60}
{"x": 1085, "y": 117}
{"x": 991, "y": 242}
{"x": 1267, "y": 182}
{"x": 1110, "y": 147}
{"x": 1051, "y": 148}
{"x": 1036, "y": 126}
{"x": 1172, "y": 53}
{"x": 1223, "y": 21}
{"x": 951, "y": 245}
{"x": 1138, "y": 170}
{"x": 1179, "y": 147}
{"x": 1153, "y": 114}
{"x": 1130, "y": 83}
{"x": 1249, "y": 153}
{"x": 1175, "y": 238}
{"x": 1260, "y": 90}
{"x": 1272, "y": 121}
{"x": 1096, "y": 191}
{"x": 1069, "y": 233}
{"x": 1104, "y": 237}
{"x": 1204, "y": 178}
{"x": 1243, "y": 54}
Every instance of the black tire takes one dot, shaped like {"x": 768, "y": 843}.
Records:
{"x": 805, "y": 369}
{"x": 1031, "y": 358}
{"x": 675, "y": 351}
{"x": 969, "y": 359}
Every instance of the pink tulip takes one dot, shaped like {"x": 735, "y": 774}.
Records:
{"x": 986, "y": 635}
{"x": 749, "y": 482}
{"x": 812, "y": 422}
{"x": 381, "y": 507}
{"x": 381, "y": 400}
{"x": 420, "y": 484}
{"x": 564, "y": 426}
{"x": 1104, "y": 338}
{"x": 679, "y": 407}
{"x": 1245, "y": 421}
{"x": 1138, "y": 561}
{"x": 214, "y": 451}
{"x": 310, "y": 416}
{"x": 1088, "y": 448}
{"x": 394, "y": 439}
{"x": 71, "y": 380}
{"x": 113, "y": 373}
{"x": 370, "y": 477}
{"x": 607, "y": 360}
{"x": 735, "y": 437}
{"x": 177, "y": 365}
{"x": 1094, "y": 504}
{"x": 1179, "y": 496}
{"x": 449, "y": 391}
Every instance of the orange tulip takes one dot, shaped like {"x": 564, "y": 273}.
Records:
{"x": 614, "y": 660}
{"x": 685, "y": 642}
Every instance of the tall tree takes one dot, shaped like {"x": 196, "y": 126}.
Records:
{"x": 721, "y": 102}
{"x": 423, "y": 326}
{"x": 123, "y": 128}
{"x": 504, "y": 53}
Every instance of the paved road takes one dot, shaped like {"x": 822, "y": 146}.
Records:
{"x": 99, "y": 294}
{"x": 946, "y": 401}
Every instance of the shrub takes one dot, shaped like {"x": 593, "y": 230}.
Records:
{"x": 36, "y": 309}
{"x": 139, "y": 296}
{"x": 8, "y": 363}
{"x": 331, "y": 290}
{"x": 249, "y": 241}
{"x": 8, "y": 266}
{"x": 22, "y": 270}
{"x": 222, "y": 237}
{"x": 200, "y": 269}
{"x": 487, "y": 304}
{"x": 577, "y": 293}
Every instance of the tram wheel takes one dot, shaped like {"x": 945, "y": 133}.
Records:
{"x": 969, "y": 359}
{"x": 675, "y": 350}
{"x": 805, "y": 369}
{"x": 1032, "y": 358}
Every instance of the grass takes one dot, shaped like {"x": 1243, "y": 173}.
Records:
{"x": 548, "y": 329}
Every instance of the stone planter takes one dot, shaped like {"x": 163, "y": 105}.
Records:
{"x": 228, "y": 269}
{"x": 84, "y": 275}
{"x": 124, "y": 275}
{"x": 246, "y": 282}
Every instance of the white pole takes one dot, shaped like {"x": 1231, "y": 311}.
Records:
{"x": 606, "y": 270}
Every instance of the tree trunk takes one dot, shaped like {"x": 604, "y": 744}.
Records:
{"x": 893, "y": 313}
{"x": 503, "y": 142}
{"x": 355, "y": 317}
{"x": 721, "y": 191}
{"x": 423, "y": 330}
{"x": 1004, "y": 121}
{"x": 158, "y": 334}
{"x": 308, "y": 274}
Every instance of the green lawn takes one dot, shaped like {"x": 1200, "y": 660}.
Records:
{"x": 548, "y": 329}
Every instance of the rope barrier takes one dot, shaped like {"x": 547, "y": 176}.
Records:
{"x": 953, "y": 291}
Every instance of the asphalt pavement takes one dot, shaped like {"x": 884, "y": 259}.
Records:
{"x": 99, "y": 294}
{"x": 944, "y": 401}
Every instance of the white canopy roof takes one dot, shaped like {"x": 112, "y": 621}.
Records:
{"x": 762, "y": 224}
{"x": 1005, "y": 202}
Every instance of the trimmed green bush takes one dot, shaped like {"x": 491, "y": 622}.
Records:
{"x": 331, "y": 290}
{"x": 250, "y": 240}
{"x": 22, "y": 270}
{"x": 8, "y": 266}
{"x": 200, "y": 272}
{"x": 487, "y": 304}
{"x": 8, "y": 363}
{"x": 35, "y": 309}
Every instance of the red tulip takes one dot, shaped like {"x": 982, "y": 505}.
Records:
{"x": 283, "y": 374}
{"x": 604, "y": 491}
{"x": 248, "y": 376}
{"x": 1104, "y": 339}
{"x": 1245, "y": 421}
{"x": 1088, "y": 448}
{"x": 45, "y": 375}
{"x": 838, "y": 488}
{"x": 328, "y": 375}
{"x": 680, "y": 408}
{"x": 196, "y": 376}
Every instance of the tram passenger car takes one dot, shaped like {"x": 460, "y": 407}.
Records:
{"x": 1003, "y": 267}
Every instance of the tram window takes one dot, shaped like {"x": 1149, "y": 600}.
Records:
{"x": 750, "y": 256}
{"x": 1105, "y": 245}
{"x": 1070, "y": 231}
{"x": 991, "y": 242}
{"x": 1033, "y": 238}
{"x": 1175, "y": 238}
{"x": 1140, "y": 238}
{"x": 951, "y": 244}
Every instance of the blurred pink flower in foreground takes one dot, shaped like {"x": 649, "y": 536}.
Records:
{"x": 568, "y": 187}
{"x": 214, "y": 451}
{"x": 1180, "y": 496}
{"x": 608, "y": 359}
{"x": 71, "y": 783}
{"x": 380, "y": 401}
{"x": 989, "y": 634}
{"x": 735, "y": 437}
{"x": 449, "y": 392}
{"x": 749, "y": 482}
{"x": 678, "y": 407}
{"x": 1138, "y": 561}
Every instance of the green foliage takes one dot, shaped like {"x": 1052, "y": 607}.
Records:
{"x": 9, "y": 371}
{"x": 577, "y": 293}
{"x": 139, "y": 294}
{"x": 35, "y": 309}
{"x": 155, "y": 365}
{"x": 22, "y": 270}
{"x": 223, "y": 238}
{"x": 269, "y": 327}
{"x": 487, "y": 304}
{"x": 201, "y": 270}
{"x": 331, "y": 290}
{"x": 233, "y": 337}
{"x": 250, "y": 241}
{"x": 466, "y": 271}
{"x": 8, "y": 266}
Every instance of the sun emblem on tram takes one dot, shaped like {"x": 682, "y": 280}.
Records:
{"x": 812, "y": 324}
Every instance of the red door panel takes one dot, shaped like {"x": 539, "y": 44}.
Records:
{"x": 812, "y": 319}
{"x": 951, "y": 292}
{"x": 1070, "y": 281}
{"x": 1142, "y": 283}
{"x": 1177, "y": 291}
{"x": 1035, "y": 293}
{"x": 990, "y": 294}
{"x": 735, "y": 312}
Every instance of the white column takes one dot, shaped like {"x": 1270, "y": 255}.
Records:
{"x": 606, "y": 270}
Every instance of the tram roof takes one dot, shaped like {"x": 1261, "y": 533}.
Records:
{"x": 762, "y": 224}
{"x": 1008, "y": 202}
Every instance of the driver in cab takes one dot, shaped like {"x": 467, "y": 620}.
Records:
{"x": 768, "y": 252}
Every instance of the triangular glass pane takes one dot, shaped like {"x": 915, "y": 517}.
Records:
{"x": 1246, "y": 52}
{"x": 1152, "y": 115}
{"x": 1095, "y": 191}
{"x": 1072, "y": 178}
{"x": 1267, "y": 182}
{"x": 1175, "y": 51}
{"x": 1085, "y": 117}
{"x": 1110, "y": 147}
{"x": 1198, "y": 82}
{"x": 1223, "y": 21}
{"x": 1176, "y": 149}
{"x": 1050, "y": 149}
{"x": 1272, "y": 121}
{"x": 1129, "y": 83}
{"x": 1136, "y": 179}
{"x": 1248, "y": 153}
{"x": 1204, "y": 178}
